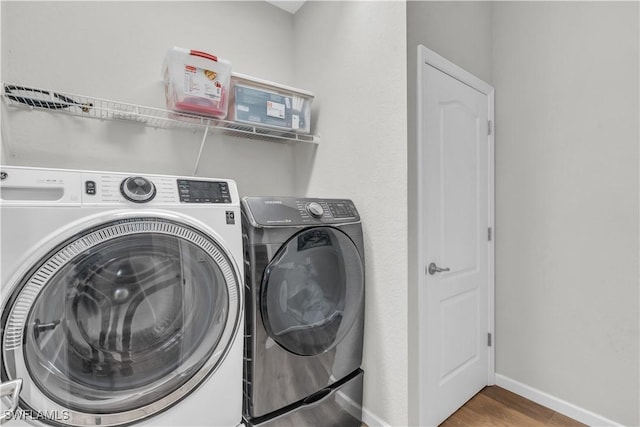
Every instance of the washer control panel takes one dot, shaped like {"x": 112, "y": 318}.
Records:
{"x": 291, "y": 211}
{"x": 100, "y": 188}
{"x": 42, "y": 187}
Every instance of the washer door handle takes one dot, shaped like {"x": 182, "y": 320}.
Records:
{"x": 11, "y": 389}
{"x": 433, "y": 269}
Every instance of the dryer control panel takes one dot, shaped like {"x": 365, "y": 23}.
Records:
{"x": 292, "y": 211}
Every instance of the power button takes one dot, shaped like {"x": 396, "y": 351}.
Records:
{"x": 90, "y": 187}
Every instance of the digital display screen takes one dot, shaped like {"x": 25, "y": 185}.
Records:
{"x": 203, "y": 191}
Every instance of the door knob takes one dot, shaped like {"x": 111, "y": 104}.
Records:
{"x": 433, "y": 269}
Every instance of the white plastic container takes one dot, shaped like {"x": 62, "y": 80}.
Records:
{"x": 196, "y": 82}
{"x": 264, "y": 103}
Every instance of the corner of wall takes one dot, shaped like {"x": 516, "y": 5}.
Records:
{"x": 357, "y": 69}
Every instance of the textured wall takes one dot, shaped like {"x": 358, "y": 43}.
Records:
{"x": 352, "y": 55}
{"x": 566, "y": 77}
{"x": 115, "y": 50}
{"x": 567, "y": 131}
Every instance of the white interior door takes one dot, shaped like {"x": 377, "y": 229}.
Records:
{"x": 456, "y": 213}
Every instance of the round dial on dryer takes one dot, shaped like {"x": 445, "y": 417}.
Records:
{"x": 138, "y": 189}
{"x": 315, "y": 209}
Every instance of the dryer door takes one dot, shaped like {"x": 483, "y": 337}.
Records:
{"x": 121, "y": 321}
{"x": 313, "y": 291}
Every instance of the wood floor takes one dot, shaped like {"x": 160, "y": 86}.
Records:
{"x": 495, "y": 406}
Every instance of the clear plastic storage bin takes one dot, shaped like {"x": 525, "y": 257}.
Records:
{"x": 196, "y": 82}
{"x": 264, "y": 103}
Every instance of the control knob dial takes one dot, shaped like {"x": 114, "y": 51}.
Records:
{"x": 138, "y": 189}
{"x": 315, "y": 209}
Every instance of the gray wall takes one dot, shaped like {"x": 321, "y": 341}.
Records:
{"x": 352, "y": 56}
{"x": 567, "y": 132}
{"x": 461, "y": 32}
{"x": 115, "y": 50}
{"x": 566, "y": 78}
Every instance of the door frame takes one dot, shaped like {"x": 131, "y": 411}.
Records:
{"x": 429, "y": 57}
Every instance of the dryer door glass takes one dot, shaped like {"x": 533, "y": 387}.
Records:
{"x": 131, "y": 313}
{"x": 313, "y": 291}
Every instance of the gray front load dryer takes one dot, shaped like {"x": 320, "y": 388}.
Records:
{"x": 304, "y": 266}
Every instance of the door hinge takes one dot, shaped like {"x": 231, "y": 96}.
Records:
{"x": 489, "y": 127}
{"x": 489, "y": 339}
{"x": 490, "y": 234}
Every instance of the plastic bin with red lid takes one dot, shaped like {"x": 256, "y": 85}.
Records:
{"x": 196, "y": 82}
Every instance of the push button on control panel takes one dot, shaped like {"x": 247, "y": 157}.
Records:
{"x": 342, "y": 210}
{"x": 90, "y": 188}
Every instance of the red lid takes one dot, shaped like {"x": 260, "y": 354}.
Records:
{"x": 204, "y": 55}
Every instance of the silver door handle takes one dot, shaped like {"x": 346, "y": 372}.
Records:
{"x": 433, "y": 269}
{"x": 11, "y": 389}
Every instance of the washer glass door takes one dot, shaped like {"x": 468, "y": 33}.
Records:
{"x": 312, "y": 291}
{"x": 124, "y": 319}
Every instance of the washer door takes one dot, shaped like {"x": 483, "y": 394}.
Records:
{"x": 121, "y": 321}
{"x": 312, "y": 291}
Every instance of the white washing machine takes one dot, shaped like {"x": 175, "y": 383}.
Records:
{"x": 121, "y": 299}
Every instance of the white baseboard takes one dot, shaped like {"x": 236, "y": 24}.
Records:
{"x": 561, "y": 406}
{"x": 372, "y": 420}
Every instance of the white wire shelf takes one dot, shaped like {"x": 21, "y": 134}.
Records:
{"x": 31, "y": 98}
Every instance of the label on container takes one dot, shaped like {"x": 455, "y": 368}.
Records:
{"x": 275, "y": 109}
{"x": 202, "y": 83}
{"x": 258, "y": 106}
